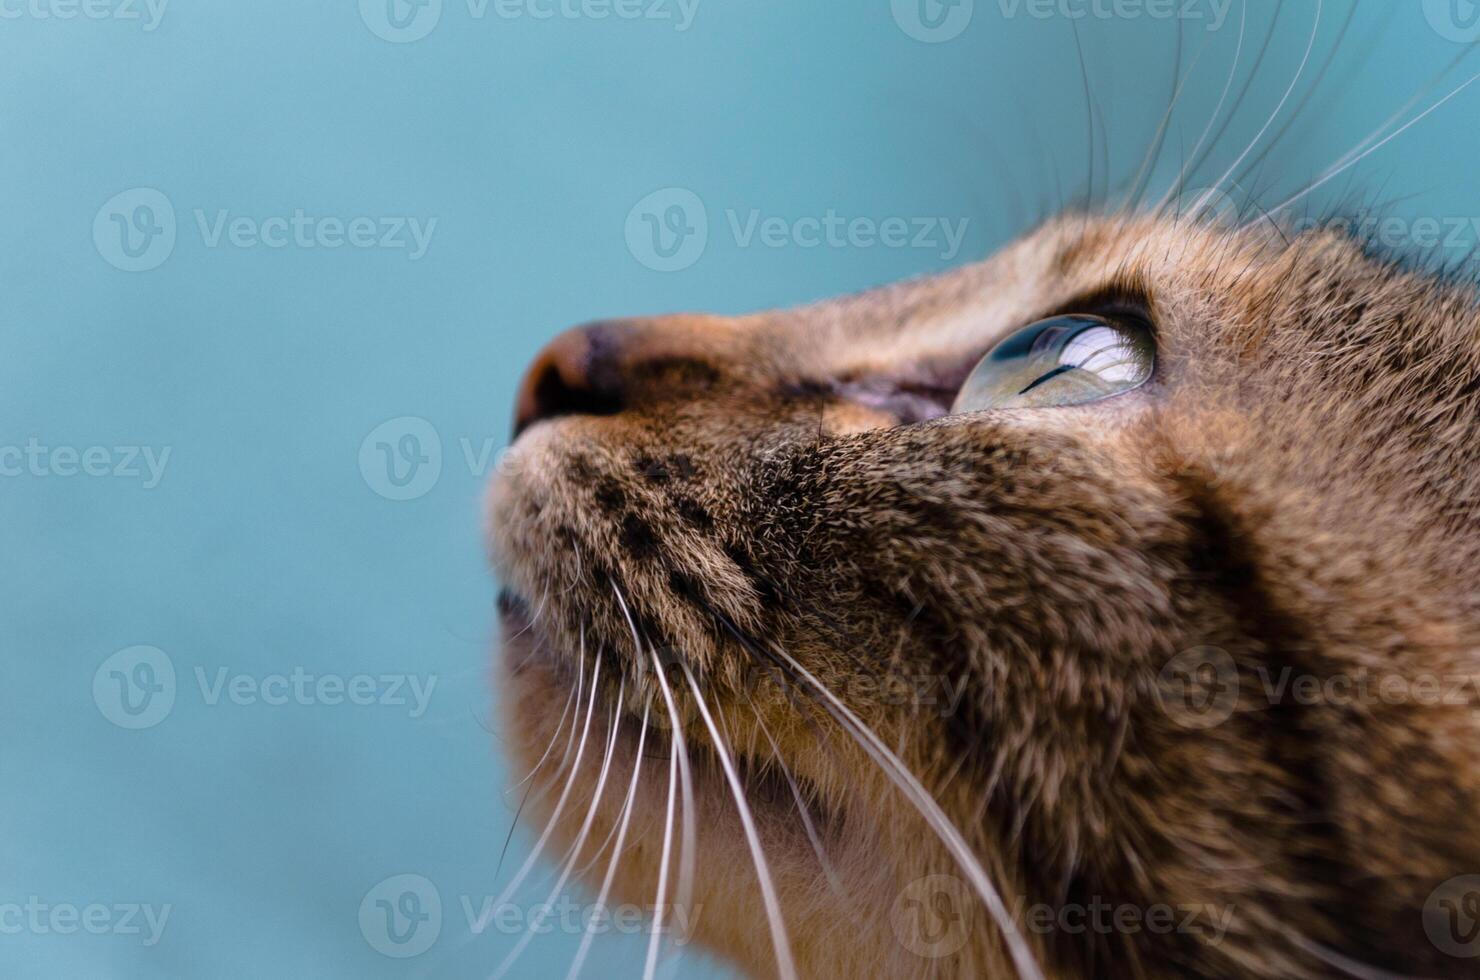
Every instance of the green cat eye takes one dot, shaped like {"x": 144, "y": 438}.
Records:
{"x": 1064, "y": 360}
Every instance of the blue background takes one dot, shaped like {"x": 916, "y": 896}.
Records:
{"x": 266, "y": 547}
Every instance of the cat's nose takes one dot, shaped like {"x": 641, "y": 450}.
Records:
{"x": 602, "y": 368}
{"x": 574, "y": 375}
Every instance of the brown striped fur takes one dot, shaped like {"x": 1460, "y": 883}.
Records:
{"x": 1297, "y": 487}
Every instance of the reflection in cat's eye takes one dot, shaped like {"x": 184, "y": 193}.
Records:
{"x": 1064, "y": 360}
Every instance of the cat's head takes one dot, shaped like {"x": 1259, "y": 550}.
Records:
{"x": 1028, "y": 650}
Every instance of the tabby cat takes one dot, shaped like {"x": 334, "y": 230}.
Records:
{"x": 1101, "y": 609}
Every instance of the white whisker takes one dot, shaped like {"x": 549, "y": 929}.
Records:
{"x": 1310, "y": 93}
{"x": 477, "y": 927}
{"x": 574, "y": 697}
{"x": 689, "y": 851}
{"x": 1403, "y": 110}
{"x": 651, "y": 966}
{"x": 575, "y": 852}
{"x": 1310, "y": 45}
{"x": 1175, "y": 190}
{"x": 807, "y": 826}
{"x": 785, "y": 966}
{"x": 690, "y": 828}
{"x": 908, "y": 783}
{"x": 1333, "y": 174}
{"x": 611, "y": 868}
{"x": 571, "y": 698}
{"x": 575, "y": 722}
{"x": 1153, "y": 151}
{"x": 544, "y": 837}
{"x": 1345, "y": 964}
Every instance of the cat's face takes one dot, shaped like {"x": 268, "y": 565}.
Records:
{"x": 774, "y": 527}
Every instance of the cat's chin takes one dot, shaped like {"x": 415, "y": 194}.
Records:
{"x": 544, "y": 728}
{"x": 540, "y": 677}
{"x": 527, "y": 649}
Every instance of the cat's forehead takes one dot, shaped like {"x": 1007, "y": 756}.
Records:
{"x": 1196, "y": 273}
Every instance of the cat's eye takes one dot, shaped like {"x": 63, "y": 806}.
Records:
{"x": 1064, "y": 360}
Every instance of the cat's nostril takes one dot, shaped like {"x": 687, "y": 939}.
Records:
{"x": 613, "y": 366}
{"x": 556, "y": 393}
{"x": 572, "y": 376}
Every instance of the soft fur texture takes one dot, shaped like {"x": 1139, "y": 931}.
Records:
{"x": 1296, "y": 488}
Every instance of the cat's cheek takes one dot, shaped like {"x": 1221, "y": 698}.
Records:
{"x": 1132, "y": 413}
{"x": 518, "y": 490}
{"x": 1134, "y": 410}
{"x": 847, "y": 418}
